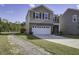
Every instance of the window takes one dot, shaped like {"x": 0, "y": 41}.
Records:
{"x": 74, "y": 18}
{"x": 37, "y": 15}
{"x": 45, "y": 15}
{"x": 56, "y": 19}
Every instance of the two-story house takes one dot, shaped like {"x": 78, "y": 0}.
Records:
{"x": 69, "y": 22}
{"x": 41, "y": 20}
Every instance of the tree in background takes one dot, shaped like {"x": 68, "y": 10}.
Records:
{"x": 23, "y": 30}
{"x": 0, "y": 25}
{"x": 6, "y": 26}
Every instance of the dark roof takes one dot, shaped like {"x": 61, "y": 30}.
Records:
{"x": 70, "y": 9}
{"x": 73, "y": 9}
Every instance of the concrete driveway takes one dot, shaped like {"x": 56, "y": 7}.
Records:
{"x": 61, "y": 40}
{"x": 51, "y": 37}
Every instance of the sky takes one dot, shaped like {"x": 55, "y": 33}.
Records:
{"x": 17, "y": 12}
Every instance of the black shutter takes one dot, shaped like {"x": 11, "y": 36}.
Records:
{"x": 48, "y": 16}
{"x": 43, "y": 15}
{"x": 40, "y": 16}
{"x": 33, "y": 15}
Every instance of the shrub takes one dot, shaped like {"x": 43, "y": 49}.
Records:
{"x": 61, "y": 33}
{"x": 23, "y": 30}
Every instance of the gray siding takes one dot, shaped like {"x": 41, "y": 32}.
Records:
{"x": 66, "y": 22}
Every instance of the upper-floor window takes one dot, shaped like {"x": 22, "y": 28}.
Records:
{"x": 56, "y": 19}
{"x": 74, "y": 18}
{"x": 45, "y": 15}
{"x": 38, "y": 15}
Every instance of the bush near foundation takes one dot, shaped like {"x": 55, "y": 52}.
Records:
{"x": 22, "y": 30}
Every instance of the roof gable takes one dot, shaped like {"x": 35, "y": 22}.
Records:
{"x": 41, "y": 6}
{"x": 73, "y": 10}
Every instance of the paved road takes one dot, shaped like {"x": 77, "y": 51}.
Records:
{"x": 28, "y": 47}
{"x": 61, "y": 40}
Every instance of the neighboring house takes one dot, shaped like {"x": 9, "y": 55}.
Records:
{"x": 69, "y": 21}
{"x": 41, "y": 20}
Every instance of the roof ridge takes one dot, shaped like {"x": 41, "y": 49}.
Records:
{"x": 73, "y": 9}
{"x": 41, "y": 5}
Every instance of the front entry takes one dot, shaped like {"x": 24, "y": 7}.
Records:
{"x": 41, "y": 29}
{"x": 55, "y": 29}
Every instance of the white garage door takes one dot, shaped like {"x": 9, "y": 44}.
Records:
{"x": 41, "y": 30}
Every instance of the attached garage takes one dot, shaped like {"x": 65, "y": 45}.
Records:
{"x": 41, "y": 29}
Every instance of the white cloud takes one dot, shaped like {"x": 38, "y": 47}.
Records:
{"x": 32, "y": 5}
{"x": 3, "y": 5}
{"x": 77, "y": 6}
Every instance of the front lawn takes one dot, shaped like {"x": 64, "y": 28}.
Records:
{"x": 53, "y": 48}
{"x": 7, "y": 48}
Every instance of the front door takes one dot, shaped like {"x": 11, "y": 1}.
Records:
{"x": 55, "y": 29}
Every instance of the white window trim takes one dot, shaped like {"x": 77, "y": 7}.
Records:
{"x": 74, "y": 17}
{"x": 41, "y": 15}
{"x": 54, "y": 19}
{"x": 36, "y": 15}
{"x": 47, "y": 16}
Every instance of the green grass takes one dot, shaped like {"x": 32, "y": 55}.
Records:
{"x": 31, "y": 37}
{"x": 53, "y": 48}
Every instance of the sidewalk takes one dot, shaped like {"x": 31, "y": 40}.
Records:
{"x": 61, "y": 40}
